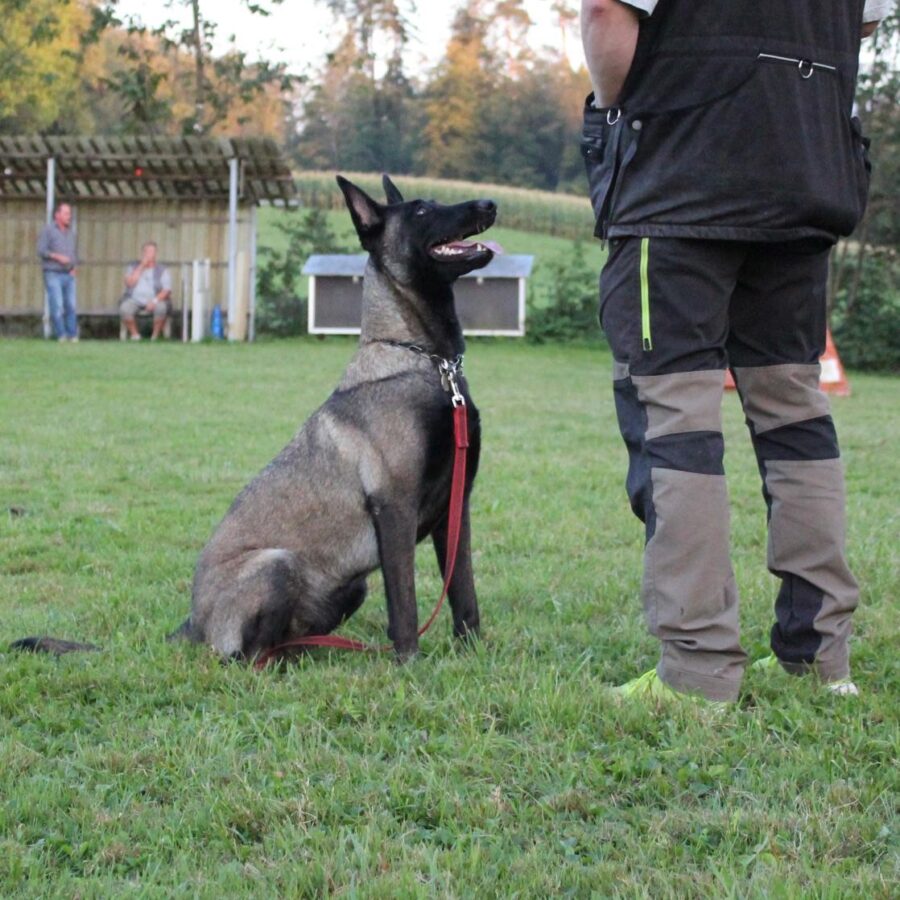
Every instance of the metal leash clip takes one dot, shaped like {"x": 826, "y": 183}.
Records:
{"x": 449, "y": 370}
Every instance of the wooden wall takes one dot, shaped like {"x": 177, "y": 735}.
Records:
{"x": 110, "y": 235}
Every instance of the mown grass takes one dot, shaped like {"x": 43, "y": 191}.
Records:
{"x": 152, "y": 770}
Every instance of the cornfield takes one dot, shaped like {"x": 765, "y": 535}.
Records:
{"x": 562, "y": 215}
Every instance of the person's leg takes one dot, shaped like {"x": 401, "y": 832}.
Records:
{"x": 128, "y": 310}
{"x": 664, "y": 307}
{"x": 69, "y": 306}
{"x": 159, "y": 318}
{"x": 777, "y": 336}
{"x": 55, "y": 303}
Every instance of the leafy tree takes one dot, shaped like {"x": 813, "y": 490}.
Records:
{"x": 362, "y": 111}
{"x": 212, "y": 90}
{"x": 567, "y": 309}
{"x": 280, "y": 309}
{"x": 456, "y": 97}
{"x": 370, "y": 20}
{"x": 39, "y": 43}
{"x": 865, "y": 270}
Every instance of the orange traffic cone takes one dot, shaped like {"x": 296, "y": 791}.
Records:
{"x": 832, "y": 380}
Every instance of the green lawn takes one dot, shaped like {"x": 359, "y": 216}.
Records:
{"x": 152, "y": 770}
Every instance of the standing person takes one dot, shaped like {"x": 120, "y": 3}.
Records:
{"x": 148, "y": 287}
{"x": 723, "y": 163}
{"x": 58, "y": 256}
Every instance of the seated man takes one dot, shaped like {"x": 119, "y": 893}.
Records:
{"x": 148, "y": 287}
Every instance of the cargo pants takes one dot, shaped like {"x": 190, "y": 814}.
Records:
{"x": 676, "y": 313}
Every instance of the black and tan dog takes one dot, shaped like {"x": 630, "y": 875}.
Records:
{"x": 368, "y": 475}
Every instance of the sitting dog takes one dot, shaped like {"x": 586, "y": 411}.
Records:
{"x": 368, "y": 475}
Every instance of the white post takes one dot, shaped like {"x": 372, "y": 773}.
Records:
{"x": 198, "y": 311}
{"x": 51, "y": 202}
{"x": 311, "y": 306}
{"x": 233, "y": 165}
{"x": 251, "y": 332}
{"x": 185, "y": 301}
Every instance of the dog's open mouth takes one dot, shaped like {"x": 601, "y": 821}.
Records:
{"x": 463, "y": 250}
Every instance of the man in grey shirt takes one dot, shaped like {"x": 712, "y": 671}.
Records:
{"x": 58, "y": 256}
{"x": 148, "y": 287}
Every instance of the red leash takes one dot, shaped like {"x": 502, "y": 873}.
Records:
{"x": 454, "y": 514}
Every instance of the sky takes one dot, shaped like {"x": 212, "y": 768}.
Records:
{"x": 299, "y": 32}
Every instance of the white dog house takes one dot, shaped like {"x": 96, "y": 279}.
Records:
{"x": 489, "y": 301}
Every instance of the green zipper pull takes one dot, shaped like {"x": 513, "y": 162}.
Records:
{"x": 645, "y": 295}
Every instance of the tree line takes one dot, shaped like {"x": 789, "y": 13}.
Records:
{"x": 491, "y": 108}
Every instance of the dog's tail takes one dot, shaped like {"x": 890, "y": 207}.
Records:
{"x": 56, "y": 646}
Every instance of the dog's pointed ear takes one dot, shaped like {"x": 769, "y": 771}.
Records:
{"x": 391, "y": 191}
{"x": 367, "y": 215}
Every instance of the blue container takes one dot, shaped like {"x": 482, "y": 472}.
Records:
{"x": 216, "y": 325}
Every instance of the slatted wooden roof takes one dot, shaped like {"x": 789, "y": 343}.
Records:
{"x": 353, "y": 265}
{"x": 144, "y": 168}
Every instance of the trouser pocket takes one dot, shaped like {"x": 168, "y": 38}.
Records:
{"x": 602, "y": 130}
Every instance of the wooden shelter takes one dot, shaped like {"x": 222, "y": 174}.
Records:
{"x": 196, "y": 197}
{"x": 489, "y": 301}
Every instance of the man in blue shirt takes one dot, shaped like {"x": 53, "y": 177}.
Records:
{"x": 59, "y": 258}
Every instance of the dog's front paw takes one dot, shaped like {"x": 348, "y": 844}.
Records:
{"x": 467, "y": 628}
{"x": 403, "y": 655}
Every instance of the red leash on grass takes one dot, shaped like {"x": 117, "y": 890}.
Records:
{"x": 454, "y": 515}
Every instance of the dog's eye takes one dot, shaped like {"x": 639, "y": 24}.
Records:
{"x": 421, "y": 210}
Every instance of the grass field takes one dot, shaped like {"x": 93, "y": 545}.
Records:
{"x": 151, "y": 770}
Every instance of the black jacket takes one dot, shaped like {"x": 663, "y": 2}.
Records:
{"x": 735, "y": 123}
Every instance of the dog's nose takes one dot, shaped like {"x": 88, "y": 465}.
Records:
{"x": 486, "y": 206}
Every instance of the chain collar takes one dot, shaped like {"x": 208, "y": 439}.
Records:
{"x": 450, "y": 369}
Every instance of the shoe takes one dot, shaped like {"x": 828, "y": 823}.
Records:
{"x": 843, "y": 687}
{"x": 135, "y": 337}
{"x": 73, "y": 340}
{"x": 766, "y": 663}
{"x": 650, "y": 688}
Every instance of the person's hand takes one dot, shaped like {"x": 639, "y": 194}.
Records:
{"x": 62, "y": 260}
{"x": 151, "y": 306}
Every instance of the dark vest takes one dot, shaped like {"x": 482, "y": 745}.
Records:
{"x": 735, "y": 123}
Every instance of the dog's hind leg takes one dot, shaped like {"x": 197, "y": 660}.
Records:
{"x": 249, "y": 604}
{"x": 271, "y": 599}
{"x": 463, "y": 601}
{"x": 339, "y": 606}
